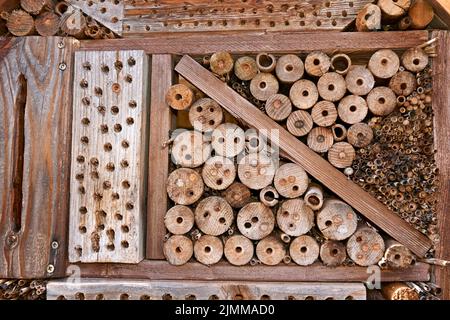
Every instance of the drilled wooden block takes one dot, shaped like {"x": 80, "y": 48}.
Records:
{"x": 108, "y": 157}
{"x": 104, "y": 289}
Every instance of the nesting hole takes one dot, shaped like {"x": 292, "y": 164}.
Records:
{"x": 381, "y": 100}
{"x": 238, "y": 249}
{"x": 107, "y": 147}
{"x": 303, "y": 249}
{"x": 207, "y": 249}
{"x": 352, "y": 108}
{"x": 262, "y": 84}
{"x": 328, "y": 223}
{"x": 265, "y": 60}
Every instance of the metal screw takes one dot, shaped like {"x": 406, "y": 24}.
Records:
{"x": 50, "y": 269}
{"x": 62, "y": 66}
{"x": 55, "y": 245}
{"x": 61, "y": 45}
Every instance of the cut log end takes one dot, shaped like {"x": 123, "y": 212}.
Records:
{"x": 178, "y": 250}
{"x": 291, "y": 180}
{"x": 237, "y": 195}
{"x": 314, "y": 197}
{"x": 221, "y": 63}
{"x": 352, "y": 109}
{"x": 214, "y": 216}
{"x": 365, "y": 247}
{"x": 336, "y": 220}
{"x": 208, "y": 250}
{"x": 47, "y": 24}
{"x": 184, "y": 186}
{"x": 333, "y": 253}
{"x": 332, "y": 86}
{"x": 238, "y": 250}
{"x": 299, "y": 123}
{"x": 341, "y": 155}
{"x": 245, "y": 68}
{"x": 295, "y": 217}
{"x": 320, "y": 139}
{"x": 179, "y": 97}
{"x": 360, "y": 135}
{"x": 278, "y": 107}
{"x": 270, "y": 251}
{"x": 20, "y": 23}
{"x": 324, "y": 113}
{"x": 266, "y": 62}
{"x": 205, "y": 115}
{"x": 304, "y": 250}
{"x": 255, "y": 221}
{"x": 263, "y": 86}
{"x": 317, "y": 63}
{"x": 369, "y": 18}
{"x": 179, "y": 219}
{"x": 289, "y": 68}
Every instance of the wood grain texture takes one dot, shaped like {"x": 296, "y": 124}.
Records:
{"x": 442, "y": 9}
{"x": 94, "y": 289}
{"x": 36, "y": 105}
{"x": 319, "y": 168}
{"x": 108, "y": 157}
{"x": 162, "y": 270}
{"x": 256, "y": 41}
{"x": 158, "y": 170}
{"x": 110, "y": 13}
{"x": 441, "y": 103}
{"x": 142, "y": 18}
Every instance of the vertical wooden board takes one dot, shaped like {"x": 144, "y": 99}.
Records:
{"x": 161, "y": 120}
{"x": 107, "y": 205}
{"x": 35, "y": 135}
{"x": 441, "y": 109}
{"x": 92, "y": 289}
{"x": 313, "y": 163}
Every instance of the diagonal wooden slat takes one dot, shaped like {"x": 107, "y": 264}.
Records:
{"x": 314, "y": 164}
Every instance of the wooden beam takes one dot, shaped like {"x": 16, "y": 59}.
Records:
{"x": 35, "y": 138}
{"x": 442, "y": 9}
{"x": 223, "y": 271}
{"x": 158, "y": 171}
{"x": 313, "y": 163}
{"x": 248, "y": 42}
{"x": 441, "y": 109}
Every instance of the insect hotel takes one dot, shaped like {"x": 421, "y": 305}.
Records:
{"x": 224, "y": 150}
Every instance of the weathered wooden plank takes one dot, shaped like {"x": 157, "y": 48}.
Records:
{"x": 442, "y": 9}
{"x": 35, "y": 135}
{"x": 313, "y": 163}
{"x": 441, "y": 109}
{"x": 223, "y": 271}
{"x": 94, "y": 289}
{"x": 160, "y": 119}
{"x": 248, "y": 42}
{"x": 142, "y": 18}
{"x": 110, "y": 13}
{"x": 109, "y": 154}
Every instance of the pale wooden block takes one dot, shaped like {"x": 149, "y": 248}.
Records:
{"x": 107, "y": 213}
{"x": 108, "y": 289}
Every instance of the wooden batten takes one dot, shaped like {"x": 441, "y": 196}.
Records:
{"x": 317, "y": 167}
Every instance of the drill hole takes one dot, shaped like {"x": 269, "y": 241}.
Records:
{"x": 103, "y": 128}
{"x": 403, "y": 86}
{"x": 213, "y": 297}
{"x": 262, "y": 84}
{"x": 106, "y": 185}
{"x": 129, "y": 206}
{"x": 299, "y": 124}
{"x": 178, "y": 250}
{"x": 118, "y": 65}
{"x": 384, "y": 61}
{"x": 416, "y": 61}
{"x": 98, "y": 91}
{"x": 324, "y": 113}
{"x": 397, "y": 256}
{"x": 145, "y": 297}
{"x": 305, "y": 93}
{"x": 105, "y": 69}
{"x": 269, "y": 250}
{"x": 247, "y": 225}
{"x": 334, "y": 252}
{"x": 83, "y": 229}
{"x": 265, "y": 297}
{"x": 124, "y": 163}
{"x": 222, "y": 220}
{"x": 167, "y": 296}
{"x": 118, "y": 217}
{"x": 115, "y": 196}
{"x": 126, "y": 184}
{"x": 207, "y": 249}
{"x": 295, "y": 188}
{"x": 111, "y": 247}
{"x": 125, "y": 244}
{"x": 269, "y": 196}
{"x": 328, "y": 223}
{"x": 358, "y": 239}
{"x": 359, "y": 82}
{"x": 238, "y": 249}
{"x": 331, "y": 87}
{"x": 320, "y": 138}
{"x": 131, "y": 61}
{"x": 94, "y": 162}
{"x": 125, "y": 144}
{"x": 117, "y": 127}
{"x": 179, "y": 97}
{"x": 180, "y": 220}
{"x": 84, "y": 84}
{"x": 114, "y": 110}
{"x": 82, "y": 190}
{"x": 79, "y": 296}
{"x": 84, "y": 140}
{"x": 130, "y": 121}
{"x": 129, "y": 78}
{"x": 132, "y": 104}
{"x": 289, "y": 68}
{"x": 80, "y": 159}
{"x": 124, "y": 296}
{"x": 381, "y": 100}
{"x": 255, "y": 219}
{"x": 303, "y": 249}
{"x": 353, "y": 108}
{"x": 125, "y": 229}
{"x": 85, "y": 121}
{"x": 316, "y": 62}
{"x": 206, "y": 214}
{"x": 314, "y": 200}
{"x": 86, "y": 101}
{"x": 107, "y": 147}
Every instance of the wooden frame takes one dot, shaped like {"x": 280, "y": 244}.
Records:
{"x": 241, "y": 43}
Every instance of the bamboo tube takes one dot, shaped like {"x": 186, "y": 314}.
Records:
{"x": 208, "y": 250}
{"x": 332, "y": 253}
{"x": 20, "y": 23}
{"x": 299, "y": 123}
{"x": 304, "y": 250}
{"x": 266, "y": 62}
{"x": 398, "y": 291}
{"x": 421, "y": 14}
{"x": 403, "y": 83}
{"x": 317, "y": 63}
{"x": 270, "y": 251}
{"x": 336, "y": 220}
{"x": 269, "y": 196}
{"x": 47, "y": 24}
{"x": 263, "y": 86}
{"x": 93, "y": 32}
{"x": 320, "y": 139}
{"x": 289, "y": 68}
{"x": 278, "y": 107}
{"x": 184, "y": 186}
{"x": 397, "y": 255}
{"x": 238, "y": 250}
{"x": 237, "y": 195}
{"x": 291, "y": 180}
{"x": 324, "y": 113}
{"x": 341, "y": 63}
{"x": 404, "y": 23}
{"x": 381, "y": 101}
{"x": 36, "y": 7}
{"x": 394, "y": 9}
{"x": 331, "y": 86}
{"x": 360, "y": 135}
{"x": 352, "y": 109}
{"x": 228, "y": 140}
{"x": 283, "y": 236}
{"x": 61, "y": 8}
{"x": 218, "y": 173}
{"x": 190, "y": 149}
{"x": 256, "y": 170}
{"x": 294, "y": 217}
{"x": 178, "y": 250}
{"x": 205, "y": 115}
{"x": 303, "y": 94}
{"x": 179, "y": 97}
{"x": 255, "y": 221}
{"x": 365, "y": 247}
{"x": 221, "y": 63}
{"x": 73, "y": 24}
{"x": 339, "y": 132}
{"x": 213, "y": 215}
{"x": 314, "y": 196}
{"x": 384, "y": 63}
{"x": 179, "y": 219}
{"x": 245, "y": 68}
{"x": 341, "y": 155}
{"x": 414, "y": 59}
{"x": 359, "y": 80}
{"x": 368, "y": 18}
